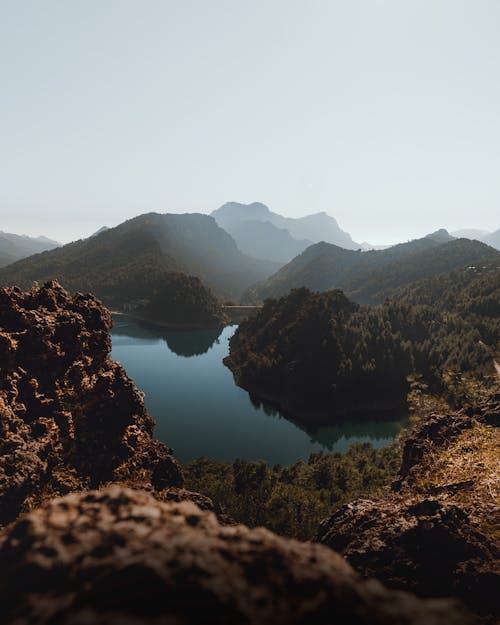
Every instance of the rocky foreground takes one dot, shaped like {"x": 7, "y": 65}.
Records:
{"x": 438, "y": 532}
{"x": 70, "y": 418}
{"x": 72, "y": 422}
{"x": 120, "y": 556}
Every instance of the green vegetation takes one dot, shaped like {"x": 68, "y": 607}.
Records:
{"x": 371, "y": 277}
{"x": 181, "y": 299}
{"x": 293, "y": 500}
{"x": 140, "y": 249}
{"x": 320, "y": 356}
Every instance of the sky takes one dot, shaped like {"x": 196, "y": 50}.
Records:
{"x": 383, "y": 113}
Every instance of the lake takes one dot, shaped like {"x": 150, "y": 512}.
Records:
{"x": 199, "y": 411}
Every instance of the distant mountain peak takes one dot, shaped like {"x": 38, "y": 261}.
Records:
{"x": 265, "y": 242}
{"x": 101, "y": 229}
{"x": 440, "y": 236}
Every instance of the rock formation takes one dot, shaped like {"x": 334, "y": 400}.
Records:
{"x": 437, "y": 533}
{"x": 70, "y": 418}
{"x": 120, "y": 556}
{"x": 71, "y": 421}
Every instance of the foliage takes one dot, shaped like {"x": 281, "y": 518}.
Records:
{"x": 293, "y": 500}
{"x": 319, "y": 355}
{"x": 139, "y": 249}
{"x": 371, "y": 277}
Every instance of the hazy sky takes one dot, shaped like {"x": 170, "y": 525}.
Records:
{"x": 384, "y": 113}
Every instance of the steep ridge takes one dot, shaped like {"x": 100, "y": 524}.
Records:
{"x": 437, "y": 533}
{"x": 131, "y": 256}
{"x": 13, "y": 247}
{"x": 371, "y": 277}
{"x": 70, "y": 418}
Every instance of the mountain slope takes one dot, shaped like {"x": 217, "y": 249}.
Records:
{"x": 13, "y": 247}
{"x": 370, "y": 277}
{"x": 493, "y": 239}
{"x": 122, "y": 261}
{"x": 234, "y": 216}
{"x": 262, "y": 239}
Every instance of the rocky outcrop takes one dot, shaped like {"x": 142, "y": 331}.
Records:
{"x": 121, "y": 556}
{"x": 437, "y": 533}
{"x": 70, "y": 418}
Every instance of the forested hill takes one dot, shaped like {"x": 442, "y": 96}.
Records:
{"x": 142, "y": 248}
{"x": 320, "y": 357}
{"x": 474, "y": 290}
{"x": 371, "y": 277}
{"x": 13, "y": 247}
{"x": 472, "y": 293}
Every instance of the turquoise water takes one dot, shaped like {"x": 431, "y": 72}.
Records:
{"x": 199, "y": 411}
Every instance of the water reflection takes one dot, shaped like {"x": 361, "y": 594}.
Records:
{"x": 184, "y": 343}
{"x": 199, "y": 411}
{"x": 337, "y": 437}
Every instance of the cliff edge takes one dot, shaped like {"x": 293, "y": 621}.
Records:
{"x": 70, "y": 418}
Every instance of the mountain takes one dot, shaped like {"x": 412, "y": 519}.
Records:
{"x": 122, "y": 264}
{"x": 262, "y": 239}
{"x": 470, "y": 233}
{"x": 440, "y": 236}
{"x": 13, "y": 247}
{"x": 490, "y": 238}
{"x": 493, "y": 239}
{"x": 370, "y": 277}
{"x": 101, "y": 229}
{"x": 239, "y": 220}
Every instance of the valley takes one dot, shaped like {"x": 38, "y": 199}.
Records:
{"x": 289, "y": 402}
{"x": 188, "y": 390}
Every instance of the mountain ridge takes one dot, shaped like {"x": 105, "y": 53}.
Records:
{"x": 14, "y": 247}
{"x": 236, "y": 218}
{"x": 370, "y": 277}
{"x": 140, "y": 248}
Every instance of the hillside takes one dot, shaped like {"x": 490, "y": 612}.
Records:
{"x": 493, "y": 239}
{"x": 490, "y": 238}
{"x": 370, "y": 277}
{"x": 120, "y": 264}
{"x": 291, "y": 235}
{"x": 320, "y": 357}
{"x": 262, "y": 239}
{"x": 13, "y": 247}
{"x": 470, "y": 291}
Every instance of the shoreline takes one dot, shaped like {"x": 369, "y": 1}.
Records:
{"x": 165, "y": 325}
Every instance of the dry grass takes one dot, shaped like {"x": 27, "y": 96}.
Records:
{"x": 467, "y": 472}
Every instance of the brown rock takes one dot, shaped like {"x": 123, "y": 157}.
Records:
{"x": 70, "y": 418}
{"x": 121, "y": 556}
{"x": 437, "y": 533}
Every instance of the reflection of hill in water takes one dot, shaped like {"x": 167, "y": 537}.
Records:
{"x": 181, "y": 342}
{"x": 192, "y": 342}
{"x": 373, "y": 429}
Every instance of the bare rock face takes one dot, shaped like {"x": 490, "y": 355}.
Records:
{"x": 121, "y": 556}
{"x": 70, "y": 418}
{"x": 437, "y": 533}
